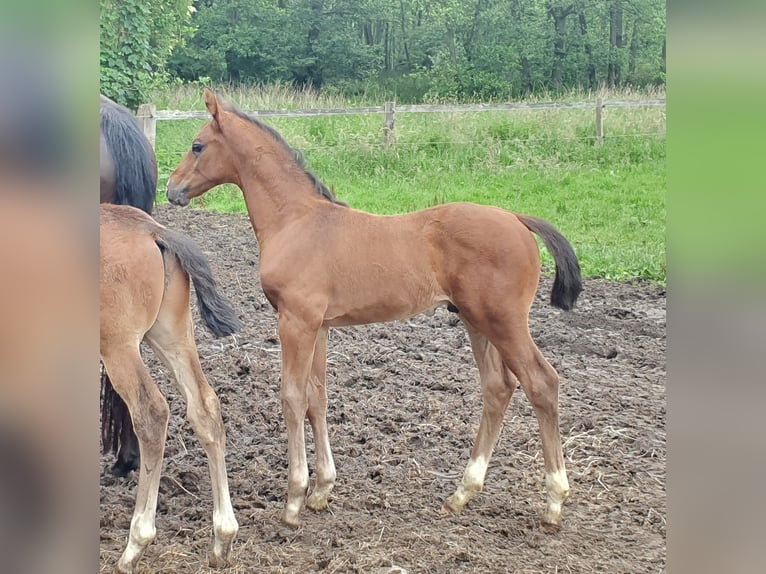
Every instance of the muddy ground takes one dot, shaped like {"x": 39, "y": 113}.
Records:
{"x": 404, "y": 408}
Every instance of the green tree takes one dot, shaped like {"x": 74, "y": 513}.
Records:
{"x": 447, "y": 49}
{"x": 137, "y": 36}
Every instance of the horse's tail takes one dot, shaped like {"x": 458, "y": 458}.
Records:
{"x": 135, "y": 165}
{"x": 567, "y": 284}
{"x": 216, "y": 311}
{"x": 113, "y": 415}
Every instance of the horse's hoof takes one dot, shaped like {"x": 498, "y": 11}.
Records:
{"x": 217, "y": 561}
{"x": 452, "y": 506}
{"x": 291, "y": 520}
{"x": 550, "y": 527}
{"x": 317, "y": 501}
{"x": 122, "y": 468}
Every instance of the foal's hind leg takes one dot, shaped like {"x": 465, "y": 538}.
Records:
{"x": 172, "y": 338}
{"x": 497, "y": 386}
{"x": 317, "y": 413}
{"x": 150, "y": 414}
{"x": 541, "y": 385}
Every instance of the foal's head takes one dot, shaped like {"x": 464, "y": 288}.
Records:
{"x": 232, "y": 135}
{"x": 210, "y": 161}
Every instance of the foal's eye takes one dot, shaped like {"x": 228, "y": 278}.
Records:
{"x": 197, "y": 148}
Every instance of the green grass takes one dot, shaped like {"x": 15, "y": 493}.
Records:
{"x": 608, "y": 200}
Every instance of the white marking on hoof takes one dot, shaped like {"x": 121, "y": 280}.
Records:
{"x": 225, "y": 525}
{"x": 475, "y": 471}
{"x": 558, "y": 491}
{"x": 291, "y": 515}
{"x": 225, "y": 528}
{"x": 473, "y": 482}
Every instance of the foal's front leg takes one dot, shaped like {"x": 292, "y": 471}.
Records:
{"x": 317, "y": 411}
{"x": 298, "y": 339}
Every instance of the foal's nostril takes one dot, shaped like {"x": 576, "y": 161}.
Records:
{"x": 177, "y": 195}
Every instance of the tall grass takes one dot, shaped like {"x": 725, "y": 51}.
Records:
{"x": 274, "y": 96}
{"x": 284, "y": 96}
{"x": 609, "y": 200}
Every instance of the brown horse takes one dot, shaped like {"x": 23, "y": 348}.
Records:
{"x": 145, "y": 290}
{"x": 325, "y": 265}
{"x": 128, "y": 169}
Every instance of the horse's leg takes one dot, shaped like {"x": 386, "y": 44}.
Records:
{"x": 298, "y": 340}
{"x": 128, "y": 456}
{"x": 150, "y": 414}
{"x": 541, "y": 385}
{"x": 172, "y": 338}
{"x": 497, "y": 386}
{"x": 317, "y": 412}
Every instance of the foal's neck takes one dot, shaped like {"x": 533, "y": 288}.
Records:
{"x": 276, "y": 189}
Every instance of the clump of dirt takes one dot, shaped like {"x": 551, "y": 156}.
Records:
{"x": 404, "y": 409}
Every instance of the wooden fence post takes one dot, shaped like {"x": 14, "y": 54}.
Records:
{"x": 388, "y": 127}
{"x": 599, "y": 121}
{"x": 147, "y": 121}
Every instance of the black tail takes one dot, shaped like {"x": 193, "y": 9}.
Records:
{"x": 567, "y": 284}
{"x": 135, "y": 165}
{"x": 216, "y": 311}
{"x": 110, "y": 419}
{"x": 117, "y": 435}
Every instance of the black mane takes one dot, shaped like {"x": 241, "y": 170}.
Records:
{"x": 319, "y": 187}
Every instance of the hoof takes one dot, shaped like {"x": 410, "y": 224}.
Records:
{"x": 453, "y": 505}
{"x": 123, "y": 570}
{"x": 217, "y": 561}
{"x": 317, "y": 501}
{"x": 291, "y": 520}
{"x": 550, "y": 527}
{"x": 123, "y": 468}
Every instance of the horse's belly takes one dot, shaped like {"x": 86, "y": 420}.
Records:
{"x": 381, "y": 311}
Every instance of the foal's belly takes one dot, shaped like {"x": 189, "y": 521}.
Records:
{"x": 381, "y": 311}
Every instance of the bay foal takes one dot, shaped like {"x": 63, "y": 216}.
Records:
{"x": 128, "y": 169}
{"x": 145, "y": 287}
{"x": 325, "y": 265}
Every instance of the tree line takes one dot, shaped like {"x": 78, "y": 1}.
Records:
{"x": 448, "y": 50}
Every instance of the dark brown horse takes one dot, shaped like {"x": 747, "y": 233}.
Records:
{"x": 128, "y": 164}
{"x": 145, "y": 289}
{"x": 128, "y": 177}
{"x": 325, "y": 265}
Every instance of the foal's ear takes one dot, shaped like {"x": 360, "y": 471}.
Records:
{"x": 211, "y": 102}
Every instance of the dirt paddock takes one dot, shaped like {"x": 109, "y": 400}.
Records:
{"x": 404, "y": 408}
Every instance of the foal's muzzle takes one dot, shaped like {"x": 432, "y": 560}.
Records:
{"x": 178, "y": 194}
